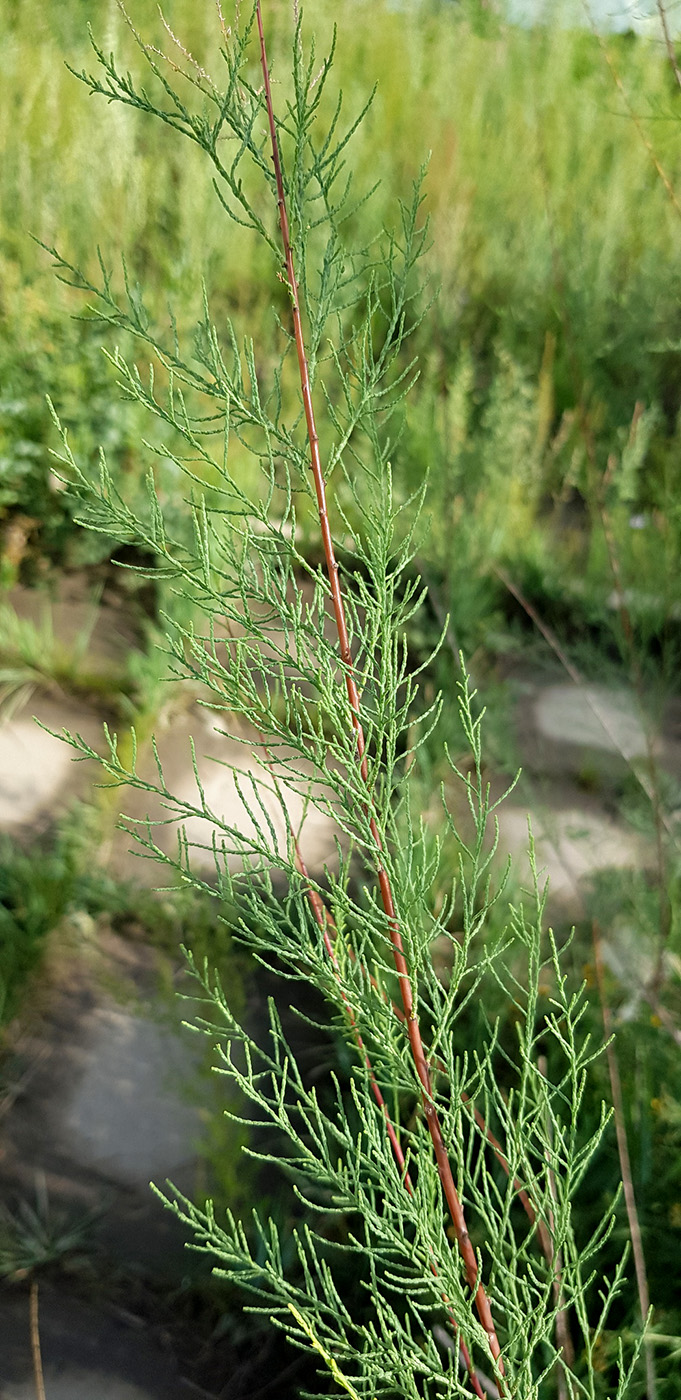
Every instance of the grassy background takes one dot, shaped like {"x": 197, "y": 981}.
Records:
{"x": 554, "y": 252}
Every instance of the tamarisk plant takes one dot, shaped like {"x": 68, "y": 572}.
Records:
{"x": 454, "y": 1165}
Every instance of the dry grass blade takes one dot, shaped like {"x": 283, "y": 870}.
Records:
{"x": 35, "y": 1342}
{"x": 614, "y": 73}
{"x": 669, "y": 42}
{"x": 625, "y": 1167}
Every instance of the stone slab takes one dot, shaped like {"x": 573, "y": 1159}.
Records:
{"x": 38, "y": 775}
{"x": 572, "y": 843}
{"x": 127, "y": 1116}
{"x": 112, "y": 1094}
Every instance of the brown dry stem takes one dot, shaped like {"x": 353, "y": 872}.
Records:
{"x": 35, "y": 1341}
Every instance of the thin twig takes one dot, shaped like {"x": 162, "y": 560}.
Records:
{"x": 465, "y": 1244}
{"x": 543, "y": 1234}
{"x": 201, "y": 72}
{"x": 35, "y": 1341}
{"x": 625, "y": 1165}
{"x": 489, "y": 1386}
{"x": 326, "y": 924}
{"x": 443, "y": 618}
{"x": 663, "y": 1015}
{"x": 562, "y": 1327}
{"x": 633, "y": 114}
{"x": 669, "y": 42}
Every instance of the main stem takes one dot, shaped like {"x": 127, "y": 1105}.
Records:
{"x": 328, "y": 932}
{"x": 421, "y": 1064}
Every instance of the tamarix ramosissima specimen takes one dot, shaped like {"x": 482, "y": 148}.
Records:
{"x": 453, "y": 1165}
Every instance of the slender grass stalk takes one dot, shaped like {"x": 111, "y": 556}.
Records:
{"x": 668, "y": 41}
{"x": 36, "y": 1351}
{"x": 660, "y": 818}
{"x": 633, "y": 114}
{"x": 625, "y": 1167}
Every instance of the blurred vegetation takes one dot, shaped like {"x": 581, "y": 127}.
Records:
{"x": 554, "y": 341}
{"x": 547, "y": 414}
{"x": 58, "y": 878}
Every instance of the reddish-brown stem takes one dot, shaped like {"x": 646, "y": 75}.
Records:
{"x": 420, "y": 1062}
{"x": 322, "y": 917}
{"x": 326, "y": 924}
{"x": 543, "y": 1234}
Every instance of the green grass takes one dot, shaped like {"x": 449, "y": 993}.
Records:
{"x": 35, "y": 889}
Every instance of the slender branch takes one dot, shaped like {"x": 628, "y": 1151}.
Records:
{"x": 421, "y": 1064}
{"x": 669, "y": 42}
{"x": 562, "y": 1327}
{"x": 35, "y": 1341}
{"x": 633, "y": 114}
{"x": 326, "y": 924}
{"x": 625, "y": 1165}
{"x": 542, "y": 1233}
{"x": 663, "y": 1015}
{"x": 443, "y": 618}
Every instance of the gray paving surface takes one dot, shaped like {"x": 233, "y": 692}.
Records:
{"x": 128, "y": 1116}
{"x": 89, "y": 1352}
{"x": 77, "y": 1384}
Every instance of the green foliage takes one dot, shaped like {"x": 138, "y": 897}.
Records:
{"x": 259, "y": 647}
{"x": 34, "y": 1237}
